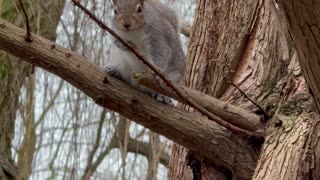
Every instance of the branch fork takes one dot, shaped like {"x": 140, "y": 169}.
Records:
{"x": 185, "y": 98}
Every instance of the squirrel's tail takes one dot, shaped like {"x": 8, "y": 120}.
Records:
{"x": 168, "y": 13}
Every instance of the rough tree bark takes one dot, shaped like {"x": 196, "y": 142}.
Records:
{"x": 219, "y": 33}
{"x": 303, "y": 23}
{"x": 189, "y": 129}
{"x": 292, "y": 148}
{"x": 13, "y": 75}
{"x": 268, "y": 72}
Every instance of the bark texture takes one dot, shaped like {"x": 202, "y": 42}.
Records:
{"x": 292, "y": 142}
{"x": 266, "y": 69}
{"x": 304, "y": 27}
{"x": 218, "y": 36}
{"x": 13, "y": 74}
{"x": 189, "y": 129}
{"x": 268, "y": 72}
{"x": 292, "y": 150}
{"x": 226, "y": 111}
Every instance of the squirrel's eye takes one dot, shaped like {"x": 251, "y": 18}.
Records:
{"x": 115, "y": 11}
{"x": 139, "y": 10}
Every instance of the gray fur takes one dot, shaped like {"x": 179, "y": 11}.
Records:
{"x": 164, "y": 44}
{"x": 166, "y": 12}
{"x": 157, "y": 40}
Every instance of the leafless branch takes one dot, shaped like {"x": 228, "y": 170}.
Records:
{"x": 201, "y": 133}
{"x": 95, "y": 146}
{"x": 187, "y": 99}
{"x": 28, "y": 35}
{"x": 234, "y": 115}
{"x": 265, "y": 114}
{"x": 8, "y": 167}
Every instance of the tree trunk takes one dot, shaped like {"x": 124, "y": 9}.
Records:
{"x": 267, "y": 71}
{"x": 176, "y": 124}
{"x": 303, "y": 23}
{"x": 292, "y": 148}
{"x": 13, "y": 75}
{"x": 219, "y": 34}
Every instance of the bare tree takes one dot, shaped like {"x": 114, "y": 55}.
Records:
{"x": 243, "y": 56}
{"x": 52, "y": 126}
{"x": 14, "y": 74}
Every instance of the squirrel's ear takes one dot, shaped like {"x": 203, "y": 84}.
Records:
{"x": 114, "y": 2}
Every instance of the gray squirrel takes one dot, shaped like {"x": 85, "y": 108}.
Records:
{"x": 153, "y": 29}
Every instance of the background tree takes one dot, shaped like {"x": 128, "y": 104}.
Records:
{"x": 63, "y": 133}
{"x": 13, "y": 75}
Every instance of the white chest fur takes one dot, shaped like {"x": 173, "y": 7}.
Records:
{"x": 125, "y": 61}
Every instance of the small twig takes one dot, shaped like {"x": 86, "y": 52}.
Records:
{"x": 8, "y": 167}
{"x": 265, "y": 114}
{"x": 230, "y": 113}
{"x": 95, "y": 146}
{"x": 28, "y": 35}
{"x": 167, "y": 82}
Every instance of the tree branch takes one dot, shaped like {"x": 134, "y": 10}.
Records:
{"x": 232, "y": 114}
{"x": 134, "y": 146}
{"x": 143, "y": 148}
{"x": 168, "y": 82}
{"x": 88, "y": 171}
{"x": 189, "y": 129}
{"x": 7, "y": 168}
{"x": 28, "y": 34}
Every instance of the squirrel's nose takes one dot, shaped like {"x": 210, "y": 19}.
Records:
{"x": 127, "y": 26}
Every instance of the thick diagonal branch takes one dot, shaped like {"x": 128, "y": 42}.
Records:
{"x": 168, "y": 82}
{"x": 186, "y": 128}
{"x": 226, "y": 111}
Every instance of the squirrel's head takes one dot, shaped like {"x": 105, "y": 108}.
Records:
{"x": 128, "y": 14}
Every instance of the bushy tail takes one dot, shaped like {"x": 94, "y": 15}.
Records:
{"x": 166, "y": 12}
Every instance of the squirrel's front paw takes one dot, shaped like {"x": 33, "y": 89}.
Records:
{"x": 163, "y": 99}
{"x": 112, "y": 71}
